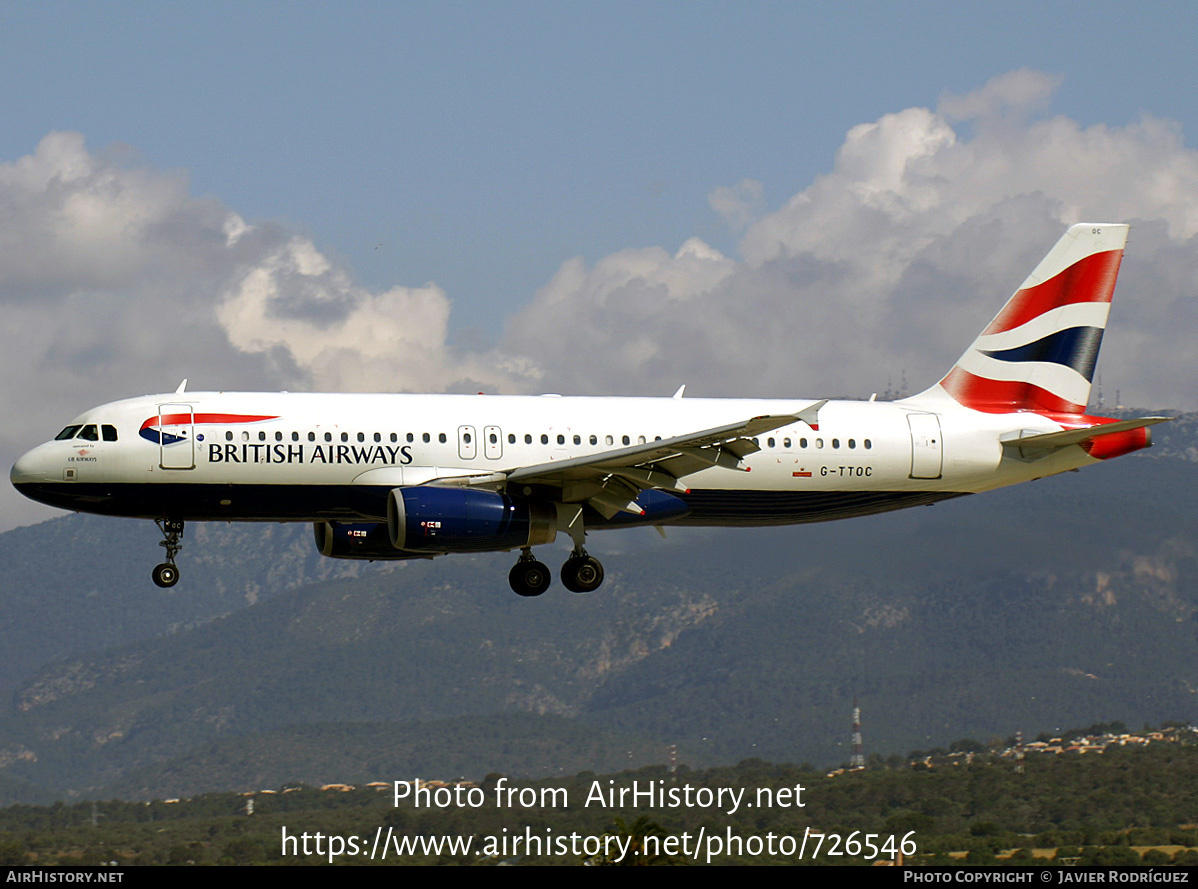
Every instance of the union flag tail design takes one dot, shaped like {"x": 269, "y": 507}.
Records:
{"x": 1039, "y": 352}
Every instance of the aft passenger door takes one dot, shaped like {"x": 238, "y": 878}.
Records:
{"x": 926, "y": 454}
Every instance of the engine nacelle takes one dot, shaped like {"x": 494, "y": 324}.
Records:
{"x": 358, "y": 540}
{"x": 430, "y": 519}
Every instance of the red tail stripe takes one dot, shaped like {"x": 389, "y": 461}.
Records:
{"x": 1089, "y": 280}
{"x": 1003, "y": 396}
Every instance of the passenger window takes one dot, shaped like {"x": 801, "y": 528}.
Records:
{"x": 441, "y": 438}
{"x": 361, "y": 436}
{"x": 245, "y": 436}
{"x": 786, "y": 443}
{"x": 394, "y": 438}
{"x": 640, "y": 439}
{"x": 295, "y": 436}
{"x": 594, "y": 439}
{"x": 868, "y": 444}
{"x": 466, "y": 437}
{"x": 494, "y": 439}
{"x": 411, "y": 437}
{"x": 819, "y": 442}
{"x": 836, "y": 442}
{"x": 511, "y": 438}
{"x": 278, "y": 436}
{"x": 626, "y": 440}
{"x": 311, "y": 436}
{"x": 328, "y": 436}
{"x": 426, "y": 438}
{"x": 802, "y": 442}
{"x": 852, "y": 443}
{"x": 607, "y": 439}
{"x": 527, "y": 438}
{"x": 345, "y": 436}
{"x": 378, "y": 436}
{"x": 769, "y": 442}
{"x": 228, "y": 435}
{"x": 578, "y": 439}
{"x": 561, "y": 439}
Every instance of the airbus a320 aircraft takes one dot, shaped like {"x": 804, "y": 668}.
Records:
{"x": 416, "y": 476}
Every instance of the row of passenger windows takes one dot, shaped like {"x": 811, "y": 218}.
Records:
{"x": 426, "y": 437}
{"x": 819, "y": 443}
{"x": 493, "y": 438}
{"x": 88, "y": 432}
{"x": 94, "y": 432}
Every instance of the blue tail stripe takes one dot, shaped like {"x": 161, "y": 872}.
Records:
{"x": 1075, "y": 347}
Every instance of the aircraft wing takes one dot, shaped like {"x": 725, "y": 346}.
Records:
{"x": 610, "y": 481}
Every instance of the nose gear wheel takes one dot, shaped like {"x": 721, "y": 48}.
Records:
{"x": 167, "y": 574}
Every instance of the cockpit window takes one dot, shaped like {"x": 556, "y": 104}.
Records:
{"x": 90, "y": 432}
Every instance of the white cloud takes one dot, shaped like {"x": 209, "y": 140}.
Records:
{"x": 740, "y": 204}
{"x": 1018, "y": 92}
{"x": 893, "y": 260}
{"x": 341, "y": 336}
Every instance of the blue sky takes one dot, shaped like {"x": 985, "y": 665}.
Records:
{"x": 510, "y": 192}
{"x": 483, "y": 143}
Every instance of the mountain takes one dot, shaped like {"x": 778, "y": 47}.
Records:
{"x": 1064, "y": 602}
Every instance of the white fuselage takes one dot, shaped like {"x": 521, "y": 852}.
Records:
{"x": 316, "y": 457}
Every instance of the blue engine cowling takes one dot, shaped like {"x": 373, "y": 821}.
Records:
{"x": 430, "y": 519}
{"x": 358, "y": 540}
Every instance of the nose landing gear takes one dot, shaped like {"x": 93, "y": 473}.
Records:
{"x": 167, "y": 574}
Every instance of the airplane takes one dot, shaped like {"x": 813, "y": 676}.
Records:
{"x": 389, "y": 476}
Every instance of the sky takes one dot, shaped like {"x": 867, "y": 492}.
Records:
{"x": 760, "y": 199}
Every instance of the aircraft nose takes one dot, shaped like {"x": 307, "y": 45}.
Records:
{"x": 30, "y": 467}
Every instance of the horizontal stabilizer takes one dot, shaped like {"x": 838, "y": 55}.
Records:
{"x": 1033, "y": 445}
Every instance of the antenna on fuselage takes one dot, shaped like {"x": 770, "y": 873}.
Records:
{"x": 182, "y": 387}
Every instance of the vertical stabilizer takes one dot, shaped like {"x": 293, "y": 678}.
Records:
{"x": 1039, "y": 352}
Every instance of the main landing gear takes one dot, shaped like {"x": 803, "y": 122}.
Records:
{"x": 581, "y": 574}
{"x": 167, "y": 574}
{"x": 528, "y": 577}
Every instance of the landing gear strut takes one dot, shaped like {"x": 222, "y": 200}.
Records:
{"x": 582, "y": 573}
{"x": 528, "y": 577}
{"x": 167, "y": 574}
